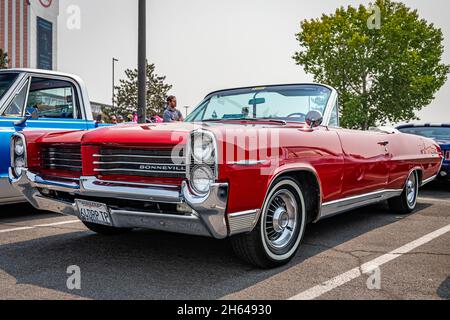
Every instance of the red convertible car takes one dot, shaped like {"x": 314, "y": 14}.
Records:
{"x": 255, "y": 165}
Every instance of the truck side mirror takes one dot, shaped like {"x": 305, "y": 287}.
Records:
{"x": 34, "y": 115}
{"x": 314, "y": 119}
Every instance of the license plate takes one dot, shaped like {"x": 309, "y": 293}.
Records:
{"x": 93, "y": 212}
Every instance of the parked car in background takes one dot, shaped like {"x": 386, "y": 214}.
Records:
{"x": 253, "y": 164}
{"x": 438, "y": 132}
{"x": 38, "y": 100}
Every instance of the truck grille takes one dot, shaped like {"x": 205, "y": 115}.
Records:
{"x": 159, "y": 163}
{"x": 64, "y": 158}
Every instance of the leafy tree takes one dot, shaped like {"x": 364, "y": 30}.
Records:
{"x": 385, "y": 72}
{"x": 126, "y": 97}
{"x": 3, "y": 59}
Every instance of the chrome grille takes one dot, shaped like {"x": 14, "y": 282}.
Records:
{"x": 64, "y": 157}
{"x": 155, "y": 162}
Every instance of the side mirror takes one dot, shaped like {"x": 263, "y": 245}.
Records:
{"x": 314, "y": 119}
{"x": 34, "y": 115}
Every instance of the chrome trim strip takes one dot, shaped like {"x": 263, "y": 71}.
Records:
{"x": 62, "y": 159}
{"x": 135, "y": 156}
{"x": 136, "y": 170}
{"x": 140, "y": 163}
{"x": 54, "y": 153}
{"x": 242, "y": 222}
{"x": 339, "y": 206}
{"x": 247, "y": 162}
{"x": 55, "y": 165}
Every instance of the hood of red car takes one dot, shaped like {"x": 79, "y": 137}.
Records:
{"x": 158, "y": 134}
{"x": 167, "y": 133}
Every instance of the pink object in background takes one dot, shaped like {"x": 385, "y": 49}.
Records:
{"x": 158, "y": 119}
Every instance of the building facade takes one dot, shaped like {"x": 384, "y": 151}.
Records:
{"x": 28, "y": 33}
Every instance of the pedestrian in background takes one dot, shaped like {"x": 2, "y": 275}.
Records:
{"x": 172, "y": 114}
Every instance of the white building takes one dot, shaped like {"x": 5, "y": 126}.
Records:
{"x": 28, "y": 33}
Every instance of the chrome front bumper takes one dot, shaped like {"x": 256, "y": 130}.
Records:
{"x": 208, "y": 216}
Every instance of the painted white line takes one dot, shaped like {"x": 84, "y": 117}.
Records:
{"x": 368, "y": 267}
{"x": 16, "y": 229}
{"x": 433, "y": 199}
{"x": 57, "y": 224}
{"x": 40, "y": 226}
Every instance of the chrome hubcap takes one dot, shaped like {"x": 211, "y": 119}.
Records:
{"x": 411, "y": 191}
{"x": 281, "y": 219}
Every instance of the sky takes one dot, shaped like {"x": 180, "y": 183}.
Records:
{"x": 206, "y": 45}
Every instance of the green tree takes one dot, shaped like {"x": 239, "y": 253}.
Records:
{"x": 126, "y": 95}
{"x": 3, "y": 59}
{"x": 384, "y": 72}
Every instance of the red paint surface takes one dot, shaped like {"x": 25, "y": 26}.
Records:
{"x": 347, "y": 162}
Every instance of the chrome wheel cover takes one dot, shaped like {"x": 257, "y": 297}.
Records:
{"x": 281, "y": 220}
{"x": 411, "y": 190}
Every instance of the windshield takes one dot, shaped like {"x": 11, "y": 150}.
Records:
{"x": 287, "y": 103}
{"x": 436, "y": 133}
{"x": 6, "y": 81}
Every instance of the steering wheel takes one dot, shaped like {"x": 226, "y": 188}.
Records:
{"x": 297, "y": 114}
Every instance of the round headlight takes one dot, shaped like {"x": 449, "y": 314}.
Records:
{"x": 19, "y": 147}
{"x": 203, "y": 148}
{"x": 201, "y": 179}
{"x": 19, "y": 164}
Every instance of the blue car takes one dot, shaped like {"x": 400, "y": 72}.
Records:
{"x": 441, "y": 134}
{"x": 38, "y": 100}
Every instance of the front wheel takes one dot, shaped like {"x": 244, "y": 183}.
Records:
{"x": 105, "y": 230}
{"x": 407, "y": 201}
{"x": 280, "y": 229}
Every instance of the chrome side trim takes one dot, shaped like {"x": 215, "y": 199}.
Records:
{"x": 339, "y": 206}
{"x": 242, "y": 222}
{"x": 247, "y": 162}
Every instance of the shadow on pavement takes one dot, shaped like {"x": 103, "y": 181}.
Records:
{"x": 444, "y": 289}
{"x": 22, "y": 212}
{"x": 151, "y": 265}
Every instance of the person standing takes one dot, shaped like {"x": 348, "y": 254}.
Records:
{"x": 172, "y": 114}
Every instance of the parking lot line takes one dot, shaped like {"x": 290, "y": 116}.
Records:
{"x": 433, "y": 199}
{"x": 368, "y": 267}
{"x": 40, "y": 226}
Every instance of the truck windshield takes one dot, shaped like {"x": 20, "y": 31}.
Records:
{"x": 287, "y": 103}
{"x": 6, "y": 81}
{"x": 436, "y": 133}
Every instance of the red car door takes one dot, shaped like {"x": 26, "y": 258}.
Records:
{"x": 366, "y": 161}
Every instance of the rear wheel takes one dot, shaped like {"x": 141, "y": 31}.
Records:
{"x": 407, "y": 201}
{"x": 105, "y": 230}
{"x": 278, "y": 234}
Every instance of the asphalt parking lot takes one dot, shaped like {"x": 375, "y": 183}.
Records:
{"x": 37, "y": 248}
